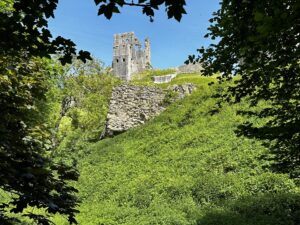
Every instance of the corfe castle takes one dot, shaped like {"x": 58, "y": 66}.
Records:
{"x": 130, "y": 105}
{"x": 130, "y": 58}
{"x": 128, "y": 55}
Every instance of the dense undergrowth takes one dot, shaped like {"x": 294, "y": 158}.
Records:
{"x": 186, "y": 166}
{"x": 84, "y": 122}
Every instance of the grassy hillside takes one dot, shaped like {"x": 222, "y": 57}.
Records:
{"x": 186, "y": 166}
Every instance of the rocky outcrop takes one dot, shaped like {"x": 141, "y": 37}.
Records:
{"x": 183, "y": 89}
{"x": 131, "y": 106}
{"x": 67, "y": 103}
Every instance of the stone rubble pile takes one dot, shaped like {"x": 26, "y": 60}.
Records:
{"x": 67, "y": 103}
{"x": 183, "y": 89}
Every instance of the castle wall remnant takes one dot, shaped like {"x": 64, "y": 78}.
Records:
{"x": 131, "y": 106}
{"x": 128, "y": 55}
{"x": 163, "y": 79}
{"x": 67, "y": 103}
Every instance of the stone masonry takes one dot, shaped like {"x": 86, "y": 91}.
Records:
{"x": 67, "y": 103}
{"x": 128, "y": 56}
{"x": 131, "y": 106}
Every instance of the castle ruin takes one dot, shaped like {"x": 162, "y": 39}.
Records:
{"x": 128, "y": 55}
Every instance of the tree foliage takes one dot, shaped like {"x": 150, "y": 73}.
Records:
{"x": 93, "y": 66}
{"x": 174, "y": 8}
{"x": 258, "y": 42}
{"x": 27, "y": 169}
{"x": 183, "y": 167}
{"x": 6, "y": 6}
{"x": 24, "y": 28}
{"x": 30, "y": 20}
{"x": 89, "y": 85}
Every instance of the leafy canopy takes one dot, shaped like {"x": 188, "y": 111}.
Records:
{"x": 174, "y": 8}
{"x": 258, "y": 41}
{"x": 25, "y": 26}
{"x": 183, "y": 167}
{"x": 27, "y": 169}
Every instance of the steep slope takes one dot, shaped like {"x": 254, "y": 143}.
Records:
{"x": 187, "y": 166}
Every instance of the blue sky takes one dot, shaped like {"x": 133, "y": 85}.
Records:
{"x": 171, "y": 42}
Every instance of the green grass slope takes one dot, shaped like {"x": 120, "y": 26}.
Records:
{"x": 185, "y": 166}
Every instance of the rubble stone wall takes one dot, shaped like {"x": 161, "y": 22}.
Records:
{"x": 131, "y": 106}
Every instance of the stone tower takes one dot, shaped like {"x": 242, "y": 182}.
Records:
{"x": 128, "y": 55}
{"x": 147, "y": 53}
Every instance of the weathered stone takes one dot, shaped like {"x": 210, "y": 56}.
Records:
{"x": 183, "y": 89}
{"x": 131, "y": 106}
{"x": 128, "y": 56}
{"x": 67, "y": 103}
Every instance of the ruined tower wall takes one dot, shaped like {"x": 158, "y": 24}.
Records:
{"x": 128, "y": 56}
{"x": 131, "y": 106}
{"x": 121, "y": 61}
{"x": 147, "y": 53}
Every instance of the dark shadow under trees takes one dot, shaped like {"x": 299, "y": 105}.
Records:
{"x": 263, "y": 209}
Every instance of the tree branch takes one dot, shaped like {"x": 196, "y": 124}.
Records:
{"x": 136, "y": 4}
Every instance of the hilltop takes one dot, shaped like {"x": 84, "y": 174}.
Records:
{"x": 185, "y": 166}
